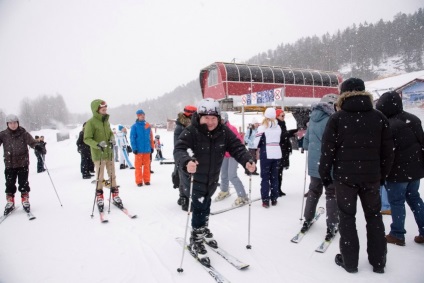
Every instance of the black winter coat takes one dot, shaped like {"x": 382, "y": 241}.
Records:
{"x": 357, "y": 142}
{"x": 408, "y": 137}
{"x": 209, "y": 148}
{"x": 285, "y": 144}
{"x": 83, "y": 148}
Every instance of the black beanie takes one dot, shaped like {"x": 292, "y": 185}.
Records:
{"x": 352, "y": 84}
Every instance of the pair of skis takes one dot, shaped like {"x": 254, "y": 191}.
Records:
{"x": 29, "y": 215}
{"x": 233, "y": 207}
{"x": 325, "y": 244}
{"x": 103, "y": 218}
{"x": 209, "y": 268}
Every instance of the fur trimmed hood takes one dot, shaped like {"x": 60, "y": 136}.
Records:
{"x": 366, "y": 99}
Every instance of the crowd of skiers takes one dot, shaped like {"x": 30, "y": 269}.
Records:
{"x": 351, "y": 148}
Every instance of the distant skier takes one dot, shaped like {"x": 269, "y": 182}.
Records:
{"x": 99, "y": 136}
{"x": 209, "y": 140}
{"x": 16, "y": 140}
{"x": 87, "y": 165}
{"x": 124, "y": 148}
{"x": 158, "y": 147}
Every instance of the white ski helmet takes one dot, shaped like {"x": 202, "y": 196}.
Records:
{"x": 208, "y": 106}
{"x": 11, "y": 118}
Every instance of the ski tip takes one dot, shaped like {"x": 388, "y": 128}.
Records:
{"x": 134, "y": 216}
{"x": 321, "y": 210}
{"x": 243, "y": 267}
{"x": 105, "y": 221}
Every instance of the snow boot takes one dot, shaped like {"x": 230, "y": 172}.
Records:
{"x": 115, "y": 197}
{"x": 10, "y": 205}
{"x": 100, "y": 200}
{"x": 339, "y": 261}
{"x": 197, "y": 246}
{"x": 25, "y": 201}
{"x": 122, "y": 166}
{"x": 209, "y": 238}
{"x": 331, "y": 233}
{"x": 222, "y": 195}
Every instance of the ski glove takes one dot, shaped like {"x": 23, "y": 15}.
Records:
{"x": 101, "y": 145}
{"x": 327, "y": 181}
{"x": 135, "y": 151}
{"x": 38, "y": 148}
{"x": 152, "y": 150}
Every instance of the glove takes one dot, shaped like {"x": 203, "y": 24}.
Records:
{"x": 101, "y": 145}
{"x": 135, "y": 151}
{"x": 129, "y": 149}
{"x": 153, "y": 150}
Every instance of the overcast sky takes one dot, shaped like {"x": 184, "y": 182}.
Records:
{"x": 125, "y": 51}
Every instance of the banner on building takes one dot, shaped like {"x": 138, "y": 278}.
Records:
{"x": 266, "y": 97}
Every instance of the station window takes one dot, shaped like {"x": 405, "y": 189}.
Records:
{"x": 288, "y": 76}
{"x": 268, "y": 75}
{"x": 334, "y": 81}
{"x": 317, "y": 78}
{"x": 325, "y": 79}
{"x": 308, "y": 78}
{"x": 278, "y": 76}
{"x": 298, "y": 77}
{"x": 244, "y": 73}
{"x": 232, "y": 72}
{"x": 213, "y": 77}
{"x": 256, "y": 73}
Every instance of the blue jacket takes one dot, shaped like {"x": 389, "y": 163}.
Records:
{"x": 141, "y": 137}
{"x": 313, "y": 137}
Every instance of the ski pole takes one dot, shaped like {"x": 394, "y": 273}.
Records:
{"x": 44, "y": 162}
{"x": 180, "y": 269}
{"x": 97, "y": 183}
{"x": 304, "y": 186}
{"x": 110, "y": 186}
{"x": 248, "y": 246}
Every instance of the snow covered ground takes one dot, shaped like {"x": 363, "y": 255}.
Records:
{"x": 64, "y": 244}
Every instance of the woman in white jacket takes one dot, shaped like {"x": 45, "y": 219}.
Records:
{"x": 267, "y": 141}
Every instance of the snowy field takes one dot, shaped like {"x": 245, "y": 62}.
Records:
{"x": 64, "y": 244}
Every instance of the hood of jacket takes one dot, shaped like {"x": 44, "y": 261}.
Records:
{"x": 390, "y": 104}
{"x": 183, "y": 119}
{"x": 355, "y": 101}
{"x": 321, "y": 111}
{"x": 94, "y": 107}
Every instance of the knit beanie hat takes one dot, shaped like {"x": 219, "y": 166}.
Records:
{"x": 352, "y": 84}
{"x": 270, "y": 113}
{"x": 255, "y": 121}
{"x": 139, "y": 112}
{"x": 278, "y": 112}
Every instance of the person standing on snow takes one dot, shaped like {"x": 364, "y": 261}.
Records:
{"x": 123, "y": 148}
{"x": 267, "y": 141}
{"x": 141, "y": 138}
{"x": 403, "y": 181}
{"x": 320, "y": 114}
{"x": 183, "y": 120}
{"x": 286, "y": 147}
{"x": 16, "y": 140}
{"x": 229, "y": 171}
{"x": 158, "y": 147}
{"x": 357, "y": 151}
{"x": 87, "y": 165}
{"x": 208, "y": 139}
{"x": 249, "y": 139}
{"x": 99, "y": 136}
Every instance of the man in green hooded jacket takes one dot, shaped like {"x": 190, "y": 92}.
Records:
{"x": 99, "y": 136}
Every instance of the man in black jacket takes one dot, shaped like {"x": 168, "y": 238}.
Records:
{"x": 358, "y": 147}
{"x": 208, "y": 139}
{"x": 87, "y": 165}
{"x": 403, "y": 181}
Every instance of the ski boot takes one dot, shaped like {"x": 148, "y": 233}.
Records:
{"x": 222, "y": 195}
{"x": 210, "y": 241}
{"x": 241, "y": 201}
{"x": 115, "y": 197}
{"x": 331, "y": 233}
{"x": 10, "y": 205}
{"x": 197, "y": 247}
{"x": 306, "y": 226}
{"x": 25, "y": 201}
{"x": 100, "y": 200}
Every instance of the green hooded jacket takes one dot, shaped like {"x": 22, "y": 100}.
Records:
{"x": 97, "y": 129}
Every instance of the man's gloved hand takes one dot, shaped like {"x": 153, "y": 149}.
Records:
{"x": 135, "y": 151}
{"x": 327, "y": 181}
{"x": 38, "y": 148}
{"x": 102, "y": 145}
{"x": 153, "y": 150}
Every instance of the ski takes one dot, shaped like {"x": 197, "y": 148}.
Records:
{"x": 124, "y": 210}
{"x": 30, "y": 215}
{"x": 210, "y": 269}
{"x": 232, "y": 207}
{"x": 103, "y": 218}
{"x": 325, "y": 244}
{"x": 229, "y": 258}
{"x": 3, "y": 217}
{"x": 167, "y": 162}
{"x": 299, "y": 236}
